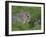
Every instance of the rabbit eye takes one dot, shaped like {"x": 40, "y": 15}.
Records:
{"x": 27, "y": 16}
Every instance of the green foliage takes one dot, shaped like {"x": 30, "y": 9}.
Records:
{"x": 34, "y": 12}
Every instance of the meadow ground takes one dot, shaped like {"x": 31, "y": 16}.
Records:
{"x": 33, "y": 24}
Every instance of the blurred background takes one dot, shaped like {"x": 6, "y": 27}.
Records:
{"x": 34, "y": 21}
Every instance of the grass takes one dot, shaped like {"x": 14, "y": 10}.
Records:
{"x": 35, "y": 13}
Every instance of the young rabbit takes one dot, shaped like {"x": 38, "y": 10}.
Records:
{"x": 22, "y": 17}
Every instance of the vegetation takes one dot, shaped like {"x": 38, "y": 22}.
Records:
{"x": 35, "y": 20}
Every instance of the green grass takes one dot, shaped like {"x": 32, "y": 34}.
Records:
{"x": 34, "y": 12}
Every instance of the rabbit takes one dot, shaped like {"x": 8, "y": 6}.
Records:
{"x": 22, "y": 17}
